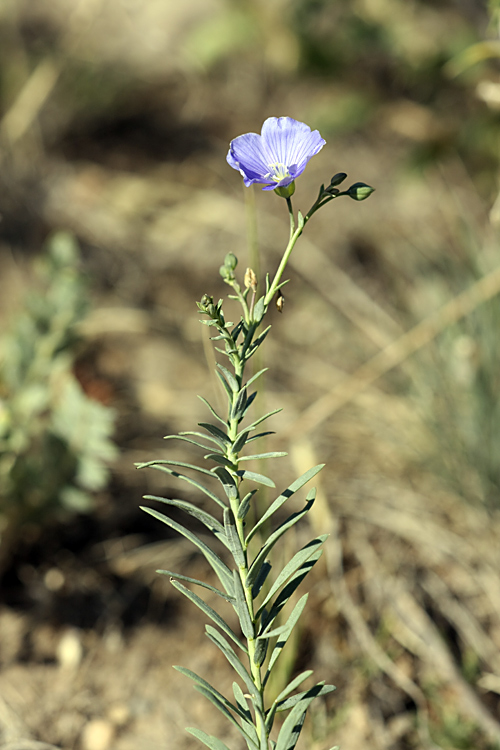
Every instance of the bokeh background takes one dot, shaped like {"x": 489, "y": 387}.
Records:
{"x": 117, "y": 208}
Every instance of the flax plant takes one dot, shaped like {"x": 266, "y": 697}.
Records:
{"x": 273, "y": 159}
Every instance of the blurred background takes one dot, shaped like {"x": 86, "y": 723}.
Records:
{"x": 116, "y": 209}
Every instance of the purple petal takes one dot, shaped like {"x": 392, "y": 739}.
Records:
{"x": 246, "y": 152}
{"x": 290, "y": 142}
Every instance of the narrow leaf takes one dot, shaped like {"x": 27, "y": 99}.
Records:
{"x": 203, "y": 683}
{"x": 292, "y": 726}
{"x": 287, "y": 628}
{"x": 212, "y": 411}
{"x": 240, "y": 441}
{"x": 220, "y": 459}
{"x": 241, "y": 608}
{"x": 285, "y": 495}
{"x": 222, "y": 571}
{"x": 260, "y": 435}
{"x": 227, "y": 482}
{"x": 233, "y": 383}
{"x": 260, "y": 652}
{"x": 289, "y": 703}
{"x": 220, "y": 436}
{"x": 180, "y": 577}
{"x": 226, "y": 385}
{"x": 231, "y": 656}
{"x": 257, "y": 375}
{"x": 207, "y": 519}
{"x": 293, "y": 565}
{"x": 261, "y": 578}
{"x": 261, "y": 419}
{"x": 234, "y": 542}
{"x": 183, "y": 436}
{"x": 280, "y": 644}
{"x": 272, "y": 454}
{"x": 294, "y": 685}
{"x": 288, "y": 590}
{"x": 187, "y": 479}
{"x": 225, "y": 712}
{"x": 241, "y": 702}
{"x": 209, "y": 612}
{"x": 240, "y": 405}
{"x": 244, "y": 506}
{"x": 275, "y": 536}
{"x": 209, "y": 740}
{"x": 259, "y": 478}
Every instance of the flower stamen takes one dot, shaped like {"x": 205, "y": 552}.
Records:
{"x": 278, "y": 172}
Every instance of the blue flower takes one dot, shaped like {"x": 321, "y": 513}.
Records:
{"x": 277, "y": 156}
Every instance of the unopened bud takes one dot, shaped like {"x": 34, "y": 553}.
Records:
{"x": 280, "y": 301}
{"x": 359, "y": 191}
{"x": 250, "y": 279}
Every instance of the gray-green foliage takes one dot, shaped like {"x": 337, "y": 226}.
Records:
{"x": 54, "y": 440}
{"x": 243, "y": 568}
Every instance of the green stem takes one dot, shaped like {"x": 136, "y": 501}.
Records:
{"x": 295, "y": 233}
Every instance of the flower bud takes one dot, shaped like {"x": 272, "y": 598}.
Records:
{"x": 337, "y": 179}
{"x": 231, "y": 261}
{"x": 359, "y": 191}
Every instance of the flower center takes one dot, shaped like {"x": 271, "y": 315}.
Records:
{"x": 278, "y": 172}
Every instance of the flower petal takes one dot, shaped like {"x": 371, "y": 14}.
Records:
{"x": 246, "y": 152}
{"x": 287, "y": 141}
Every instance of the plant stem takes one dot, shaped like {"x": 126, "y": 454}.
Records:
{"x": 295, "y": 233}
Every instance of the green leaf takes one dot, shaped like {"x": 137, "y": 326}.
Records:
{"x": 183, "y": 436}
{"x": 209, "y": 612}
{"x": 281, "y": 643}
{"x": 289, "y": 589}
{"x": 260, "y": 652}
{"x": 227, "y": 482}
{"x": 241, "y": 702}
{"x": 220, "y": 459}
{"x": 209, "y": 740}
{"x": 259, "y": 478}
{"x": 260, "y": 435}
{"x": 240, "y": 441}
{"x": 292, "y": 566}
{"x": 222, "y": 571}
{"x": 257, "y": 375}
{"x": 294, "y": 684}
{"x": 212, "y": 410}
{"x": 231, "y": 656}
{"x": 287, "y": 628}
{"x": 289, "y": 703}
{"x": 227, "y": 713}
{"x": 226, "y": 385}
{"x": 240, "y": 405}
{"x": 234, "y": 542}
{"x": 244, "y": 715}
{"x": 180, "y": 577}
{"x": 187, "y": 479}
{"x": 271, "y": 714}
{"x": 292, "y": 726}
{"x": 261, "y": 419}
{"x": 260, "y": 580}
{"x": 259, "y": 309}
{"x": 275, "y": 536}
{"x": 205, "y": 518}
{"x": 285, "y": 495}
{"x": 244, "y": 506}
{"x": 272, "y": 454}
{"x": 241, "y": 608}
{"x": 221, "y": 437}
{"x": 231, "y": 380}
